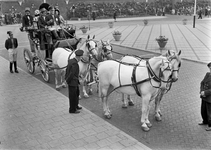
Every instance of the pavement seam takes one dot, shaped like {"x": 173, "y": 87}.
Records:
{"x": 149, "y": 36}
{"x": 197, "y": 37}
{"x": 187, "y": 42}
{"x": 137, "y": 37}
{"x": 128, "y": 34}
{"x": 173, "y": 38}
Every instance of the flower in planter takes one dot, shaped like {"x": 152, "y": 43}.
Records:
{"x": 117, "y": 32}
{"x": 83, "y": 27}
{"x": 145, "y": 21}
{"x": 161, "y": 39}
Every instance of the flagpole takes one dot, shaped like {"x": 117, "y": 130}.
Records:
{"x": 194, "y": 16}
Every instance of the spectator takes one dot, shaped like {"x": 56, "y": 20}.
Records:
{"x": 200, "y": 14}
{"x": 11, "y": 45}
{"x": 205, "y": 94}
{"x": 114, "y": 15}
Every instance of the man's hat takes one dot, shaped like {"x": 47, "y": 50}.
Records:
{"x": 9, "y": 32}
{"x": 79, "y": 52}
{"x": 27, "y": 9}
{"x": 209, "y": 64}
{"x": 42, "y": 10}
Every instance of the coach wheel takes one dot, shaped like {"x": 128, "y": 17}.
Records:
{"x": 29, "y": 61}
{"x": 44, "y": 70}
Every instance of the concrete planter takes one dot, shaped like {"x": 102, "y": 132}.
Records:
{"x": 84, "y": 30}
{"x": 117, "y": 37}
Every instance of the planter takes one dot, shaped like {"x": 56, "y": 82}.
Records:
{"x": 117, "y": 37}
{"x": 184, "y": 22}
{"x": 79, "y": 19}
{"x": 110, "y": 24}
{"x": 162, "y": 44}
{"x": 84, "y": 30}
{"x": 145, "y": 22}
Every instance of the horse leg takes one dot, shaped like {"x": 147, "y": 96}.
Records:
{"x": 157, "y": 105}
{"x": 130, "y": 101}
{"x": 147, "y": 117}
{"x": 64, "y": 85}
{"x": 124, "y": 105}
{"x": 84, "y": 89}
{"x": 56, "y": 79}
{"x": 145, "y": 104}
{"x": 103, "y": 97}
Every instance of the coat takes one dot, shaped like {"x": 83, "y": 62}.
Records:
{"x": 55, "y": 19}
{"x": 8, "y": 43}
{"x": 42, "y": 22}
{"x": 27, "y": 21}
{"x": 206, "y": 87}
{"x": 72, "y": 73}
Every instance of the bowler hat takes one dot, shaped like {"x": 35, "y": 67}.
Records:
{"x": 209, "y": 64}
{"x": 79, "y": 52}
{"x": 27, "y": 9}
{"x": 9, "y": 32}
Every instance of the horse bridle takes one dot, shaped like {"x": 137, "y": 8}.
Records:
{"x": 108, "y": 52}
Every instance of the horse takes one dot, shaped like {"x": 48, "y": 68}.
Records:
{"x": 104, "y": 53}
{"x": 60, "y": 58}
{"x": 175, "y": 60}
{"x": 143, "y": 78}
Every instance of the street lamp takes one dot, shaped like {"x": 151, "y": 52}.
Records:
{"x": 194, "y": 16}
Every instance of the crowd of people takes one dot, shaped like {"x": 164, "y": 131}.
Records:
{"x": 104, "y": 10}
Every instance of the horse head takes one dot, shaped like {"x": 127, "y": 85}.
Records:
{"x": 106, "y": 50}
{"x": 160, "y": 70}
{"x": 91, "y": 46}
{"x": 175, "y": 60}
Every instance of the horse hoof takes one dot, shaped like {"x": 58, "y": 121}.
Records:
{"x": 79, "y": 97}
{"x": 124, "y": 105}
{"x": 86, "y": 96}
{"x": 130, "y": 103}
{"x": 108, "y": 116}
{"x": 149, "y": 125}
{"x": 57, "y": 88}
{"x": 158, "y": 118}
{"x": 146, "y": 129}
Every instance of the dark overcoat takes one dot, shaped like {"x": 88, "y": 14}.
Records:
{"x": 8, "y": 43}
{"x": 206, "y": 87}
{"x": 27, "y": 21}
{"x": 72, "y": 72}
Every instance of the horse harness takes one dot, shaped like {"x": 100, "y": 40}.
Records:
{"x": 134, "y": 83}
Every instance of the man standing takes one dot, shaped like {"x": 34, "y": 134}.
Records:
{"x": 72, "y": 79}
{"x": 11, "y": 44}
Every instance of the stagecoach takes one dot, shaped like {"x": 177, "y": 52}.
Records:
{"x": 37, "y": 56}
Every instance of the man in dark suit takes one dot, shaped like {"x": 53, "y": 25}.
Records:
{"x": 53, "y": 22}
{"x": 11, "y": 45}
{"x": 72, "y": 79}
{"x": 27, "y": 20}
{"x": 205, "y": 94}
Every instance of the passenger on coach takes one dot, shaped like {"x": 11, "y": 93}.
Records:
{"x": 53, "y": 22}
{"x": 27, "y": 20}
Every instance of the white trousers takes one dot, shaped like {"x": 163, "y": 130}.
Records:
{"x": 12, "y": 55}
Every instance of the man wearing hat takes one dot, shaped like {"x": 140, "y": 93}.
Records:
{"x": 11, "y": 45}
{"x": 27, "y": 20}
{"x": 205, "y": 95}
{"x": 72, "y": 79}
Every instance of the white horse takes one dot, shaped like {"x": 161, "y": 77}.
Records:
{"x": 175, "y": 60}
{"x": 143, "y": 78}
{"x": 104, "y": 53}
{"x": 60, "y": 58}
